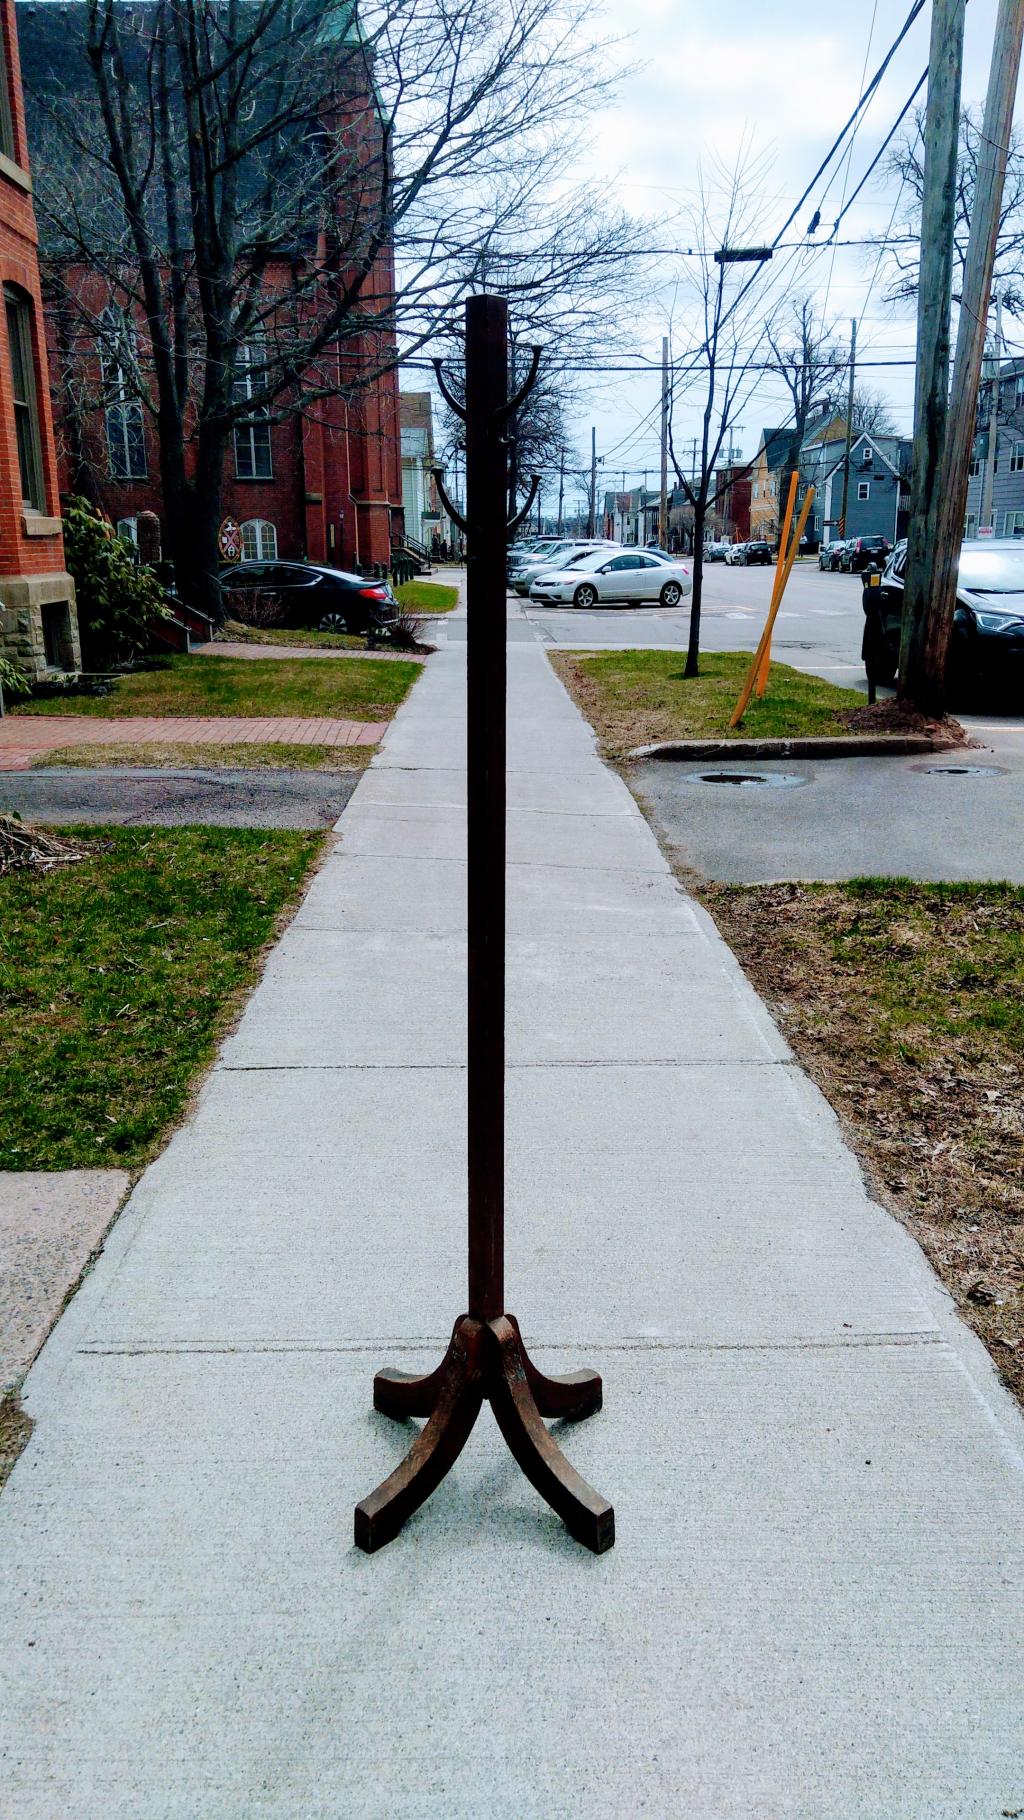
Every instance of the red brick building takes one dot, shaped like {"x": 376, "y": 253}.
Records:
{"x": 319, "y": 478}
{"x": 732, "y": 508}
{"x": 38, "y": 627}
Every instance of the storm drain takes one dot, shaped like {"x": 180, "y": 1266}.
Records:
{"x": 961, "y": 770}
{"x": 746, "y": 780}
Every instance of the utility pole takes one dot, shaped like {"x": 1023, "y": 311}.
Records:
{"x": 986, "y": 514}
{"x": 663, "y": 504}
{"x": 849, "y": 426}
{"x": 561, "y": 489}
{"x": 923, "y": 680}
{"x": 592, "y": 520}
{"x": 931, "y": 390}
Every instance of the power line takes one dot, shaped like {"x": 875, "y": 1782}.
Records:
{"x": 866, "y": 95}
{"x": 886, "y": 142}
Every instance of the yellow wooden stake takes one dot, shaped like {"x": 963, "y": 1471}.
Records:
{"x": 784, "y": 530}
{"x": 766, "y": 637}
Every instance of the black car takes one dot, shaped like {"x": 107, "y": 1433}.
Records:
{"x": 829, "y": 554}
{"x": 328, "y": 600}
{"x": 987, "y": 645}
{"x": 756, "y": 552}
{"x": 858, "y": 552}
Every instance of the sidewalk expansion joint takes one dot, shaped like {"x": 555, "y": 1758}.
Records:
{"x": 845, "y": 1342}
{"x": 601, "y": 1061}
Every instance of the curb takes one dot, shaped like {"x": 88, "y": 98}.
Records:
{"x": 857, "y": 745}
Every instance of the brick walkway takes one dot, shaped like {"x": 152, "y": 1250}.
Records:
{"x": 24, "y": 736}
{"x": 229, "y": 647}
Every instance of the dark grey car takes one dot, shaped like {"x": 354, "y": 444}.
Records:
{"x": 988, "y": 625}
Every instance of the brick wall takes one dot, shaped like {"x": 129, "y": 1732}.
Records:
{"x": 32, "y": 573}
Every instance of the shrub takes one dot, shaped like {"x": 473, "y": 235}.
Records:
{"x": 253, "y": 607}
{"x": 404, "y": 633}
{"x": 13, "y": 683}
{"x": 118, "y": 602}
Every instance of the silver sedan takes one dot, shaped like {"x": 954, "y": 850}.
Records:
{"x": 634, "y": 577}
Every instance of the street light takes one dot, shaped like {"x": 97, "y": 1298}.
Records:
{"x": 743, "y": 255}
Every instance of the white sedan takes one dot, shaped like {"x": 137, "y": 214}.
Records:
{"x": 634, "y": 577}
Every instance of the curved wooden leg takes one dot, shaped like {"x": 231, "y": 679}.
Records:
{"x": 572, "y": 1394}
{"x": 586, "y": 1515}
{"x": 379, "y": 1517}
{"x": 405, "y": 1393}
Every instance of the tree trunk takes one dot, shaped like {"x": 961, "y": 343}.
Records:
{"x": 693, "y": 647}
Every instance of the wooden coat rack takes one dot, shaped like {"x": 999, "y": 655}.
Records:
{"x": 486, "y": 1359}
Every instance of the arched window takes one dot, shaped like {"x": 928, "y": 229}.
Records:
{"x": 259, "y": 540}
{"x": 126, "y": 441}
{"x": 18, "y": 311}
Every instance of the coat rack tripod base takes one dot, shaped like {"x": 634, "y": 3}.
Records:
{"x": 486, "y": 1361}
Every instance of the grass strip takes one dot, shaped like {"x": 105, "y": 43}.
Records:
{"x": 269, "y": 756}
{"x": 632, "y": 698}
{"x": 905, "y": 1002}
{"x": 347, "y": 689}
{"x": 427, "y": 596}
{"x": 118, "y": 976}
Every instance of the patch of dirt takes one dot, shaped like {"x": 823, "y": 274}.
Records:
{"x": 15, "y": 1429}
{"x": 895, "y": 717}
{"x": 932, "y": 1102}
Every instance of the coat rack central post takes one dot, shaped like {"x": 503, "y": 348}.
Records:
{"x": 486, "y": 1359}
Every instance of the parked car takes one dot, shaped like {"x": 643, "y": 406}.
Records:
{"x": 562, "y": 556}
{"x": 750, "y": 553}
{"x": 533, "y": 546}
{"x": 716, "y": 552}
{"x": 329, "y": 600}
{"x": 828, "y": 555}
{"x": 988, "y": 622}
{"x": 734, "y": 553}
{"x": 858, "y": 552}
{"x": 634, "y": 577}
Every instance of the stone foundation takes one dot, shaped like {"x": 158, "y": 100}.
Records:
{"x": 38, "y": 623}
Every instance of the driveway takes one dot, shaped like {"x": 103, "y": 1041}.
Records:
{"x": 216, "y": 799}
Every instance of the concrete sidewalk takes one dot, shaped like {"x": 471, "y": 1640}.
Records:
{"x": 813, "y": 1606}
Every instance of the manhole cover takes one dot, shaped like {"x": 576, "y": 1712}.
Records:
{"x": 961, "y": 770}
{"x": 746, "y": 780}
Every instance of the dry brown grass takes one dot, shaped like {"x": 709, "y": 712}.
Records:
{"x": 905, "y": 1002}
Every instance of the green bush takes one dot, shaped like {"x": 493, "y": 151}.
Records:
{"x": 13, "y": 682}
{"x": 118, "y": 602}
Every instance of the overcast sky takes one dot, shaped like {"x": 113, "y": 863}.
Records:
{"x": 787, "y": 78}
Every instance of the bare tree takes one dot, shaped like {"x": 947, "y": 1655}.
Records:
{"x": 807, "y": 358}
{"x": 906, "y": 163}
{"x": 240, "y": 178}
{"x": 733, "y": 309}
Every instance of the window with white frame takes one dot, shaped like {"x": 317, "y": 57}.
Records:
{"x": 1019, "y": 392}
{"x": 863, "y": 489}
{"x": 1016, "y": 457}
{"x": 128, "y": 528}
{"x": 971, "y": 524}
{"x": 1013, "y": 524}
{"x": 259, "y": 540}
{"x": 18, "y": 308}
{"x": 126, "y": 440}
{"x": 252, "y": 436}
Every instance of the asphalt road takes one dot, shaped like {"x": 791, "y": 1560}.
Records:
{"x": 167, "y": 799}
